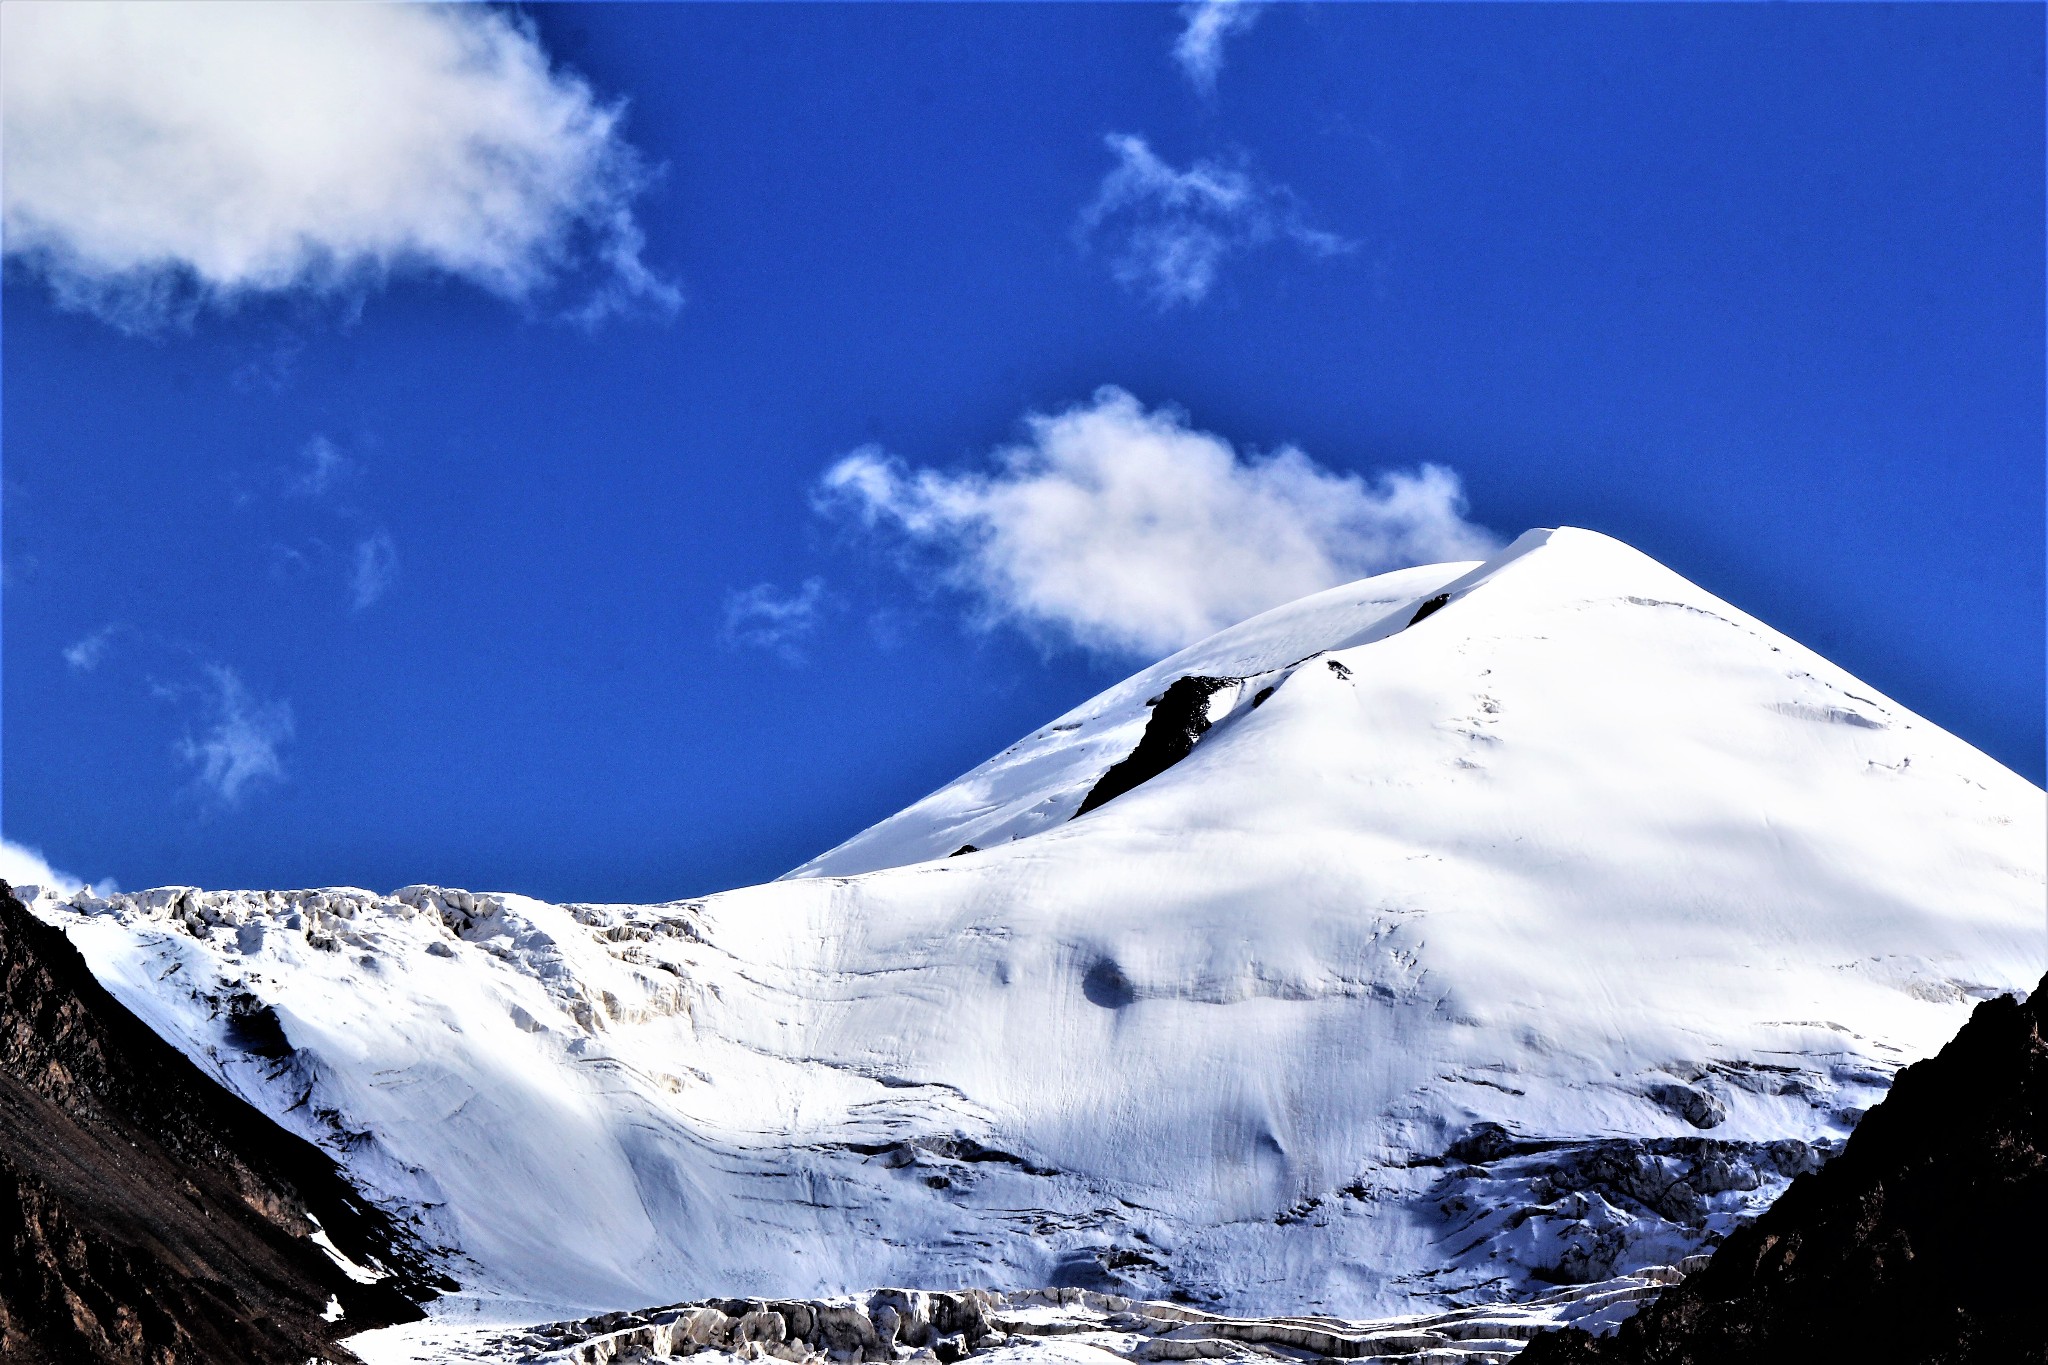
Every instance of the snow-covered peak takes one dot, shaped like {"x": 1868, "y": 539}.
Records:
{"x": 1039, "y": 781}
{"x": 1541, "y": 918}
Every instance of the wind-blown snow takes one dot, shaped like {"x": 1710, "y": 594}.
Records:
{"x": 1585, "y": 853}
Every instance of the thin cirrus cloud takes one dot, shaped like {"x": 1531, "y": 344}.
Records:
{"x": 88, "y": 652}
{"x": 320, "y": 474}
{"x": 374, "y": 571}
{"x": 1129, "y": 532}
{"x": 319, "y": 470}
{"x": 1198, "y": 51}
{"x": 233, "y": 739}
{"x": 239, "y": 747}
{"x": 766, "y": 617}
{"x": 167, "y": 157}
{"x": 1171, "y": 232}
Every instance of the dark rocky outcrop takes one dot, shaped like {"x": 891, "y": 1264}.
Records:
{"x": 1601, "y": 1206}
{"x": 1922, "y": 1242}
{"x": 1180, "y": 715}
{"x": 1430, "y": 608}
{"x": 148, "y": 1216}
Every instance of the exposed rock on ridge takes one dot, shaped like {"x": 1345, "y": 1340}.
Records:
{"x": 148, "y": 1215}
{"x": 1921, "y": 1242}
{"x": 1180, "y": 716}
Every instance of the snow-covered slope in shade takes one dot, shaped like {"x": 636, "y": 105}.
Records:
{"x": 1535, "y": 938}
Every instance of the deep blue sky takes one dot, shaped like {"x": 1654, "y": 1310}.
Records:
{"x": 1756, "y": 289}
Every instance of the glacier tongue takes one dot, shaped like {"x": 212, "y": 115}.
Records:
{"x": 1535, "y": 937}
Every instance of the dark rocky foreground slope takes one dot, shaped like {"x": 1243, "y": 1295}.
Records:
{"x": 1925, "y": 1241}
{"x": 147, "y": 1216}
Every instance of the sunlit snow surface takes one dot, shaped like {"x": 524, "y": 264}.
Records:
{"x": 1587, "y": 853}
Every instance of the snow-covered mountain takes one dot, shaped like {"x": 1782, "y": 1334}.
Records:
{"x": 1501, "y": 924}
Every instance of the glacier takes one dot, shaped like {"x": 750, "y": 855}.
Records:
{"x": 1505, "y": 925}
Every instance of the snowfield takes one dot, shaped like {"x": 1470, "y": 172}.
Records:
{"x": 1530, "y": 937}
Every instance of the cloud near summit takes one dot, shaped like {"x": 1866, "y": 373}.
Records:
{"x": 1128, "y": 531}
{"x": 169, "y": 156}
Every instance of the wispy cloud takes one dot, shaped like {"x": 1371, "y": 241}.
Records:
{"x": 269, "y": 365}
{"x": 238, "y": 749}
{"x": 376, "y": 569}
{"x": 1128, "y": 531}
{"x": 365, "y": 561}
{"x": 233, "y": 739}
{"x": 1199, "y": 48}
{"x": 319, "y": 469}
{"x": 1170, "y": 232}
{"x": 167, "y": 157}
{"x": 766, "y": 617}
{"x": 86, "y": 654}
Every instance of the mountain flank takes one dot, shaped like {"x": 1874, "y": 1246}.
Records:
{"x": 1921, "y": 1242}
{"x": 1244, "y": 1031}
{"x": 149, "y": 1216}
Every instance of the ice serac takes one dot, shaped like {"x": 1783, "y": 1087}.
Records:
{"x": 1529, "y": 939}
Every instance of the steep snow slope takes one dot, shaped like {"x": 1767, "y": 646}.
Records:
{"x": 1039, "y": 781}
{"x": 1537, "y": 938}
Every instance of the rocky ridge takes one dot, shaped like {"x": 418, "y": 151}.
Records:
{"x": 151, "y": 1217}
{"x": 1920, "y": 1243}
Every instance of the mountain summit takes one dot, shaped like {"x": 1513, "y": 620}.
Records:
{"x": 1461, "y": 930}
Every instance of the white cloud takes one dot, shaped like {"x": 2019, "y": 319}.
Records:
{"x": 85, "y": 655}
{"x": 1172, "y": 231}
{"x": 376, "y": 569}
{"x": 239, "y": 749}
{"x": 1128, "y": 531}
{"x": 320, "y": 467}
{"x": 22, "y": 866}
{"x": 162, "y": 157}
{"x": 765, "y": 617}
{"x": 1199, "y": 48}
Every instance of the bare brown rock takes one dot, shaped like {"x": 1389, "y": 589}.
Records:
{"x": 1920, "y": 1244}
{"x": 149, "y": 1217}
